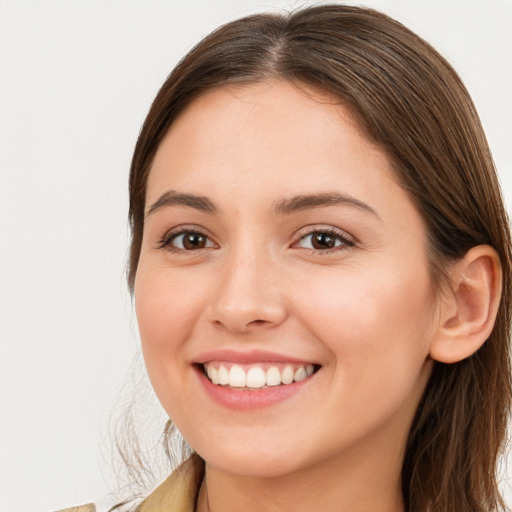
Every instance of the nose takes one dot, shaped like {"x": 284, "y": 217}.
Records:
{"x": 249, "y": 296}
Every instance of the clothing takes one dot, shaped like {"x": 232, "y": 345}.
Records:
{"x": 90, "y": 507}
{"x": 178, "y": 493}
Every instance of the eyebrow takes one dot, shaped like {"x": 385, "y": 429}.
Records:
{"x": 282, "y": 207}
{"x": 173, "y": 198}
{"x": 307, "y": 202}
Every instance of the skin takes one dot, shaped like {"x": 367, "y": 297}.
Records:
{"x": 364, "y": 311}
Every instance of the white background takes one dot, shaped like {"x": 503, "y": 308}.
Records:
{"x": 76, "y": 80}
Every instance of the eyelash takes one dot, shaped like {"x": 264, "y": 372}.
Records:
{"x": 346, "y": 241}
{"x": 170, "y": 236}
{"x": 337, "y": 235}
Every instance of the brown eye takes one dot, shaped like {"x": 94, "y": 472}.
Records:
{"x": 324, "y": 240}
{"x": 190, "y": 241}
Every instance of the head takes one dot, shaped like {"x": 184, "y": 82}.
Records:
{"x": 417, "y": 121}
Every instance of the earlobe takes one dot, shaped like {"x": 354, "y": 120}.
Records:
{"x": 469, "y": 309}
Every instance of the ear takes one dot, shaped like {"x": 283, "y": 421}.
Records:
{"x": 469, "y": 307}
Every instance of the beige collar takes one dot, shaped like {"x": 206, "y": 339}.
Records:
{"x": 178, "y": 493}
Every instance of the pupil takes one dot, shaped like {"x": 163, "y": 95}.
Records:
{"x": 323, "y": 241}
{"x": 194, "y": 241}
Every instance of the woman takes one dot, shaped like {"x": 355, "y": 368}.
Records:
{"x": 320, "y": 264}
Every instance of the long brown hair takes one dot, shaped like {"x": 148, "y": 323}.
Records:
{"x": 410, "y": 102}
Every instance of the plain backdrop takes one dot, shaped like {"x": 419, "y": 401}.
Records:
{"x": 76, "y": 80}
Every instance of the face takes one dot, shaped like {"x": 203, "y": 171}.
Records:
{"x": 281, "y": 258}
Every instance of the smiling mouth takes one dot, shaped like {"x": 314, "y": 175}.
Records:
{"x": 256, "y": 377}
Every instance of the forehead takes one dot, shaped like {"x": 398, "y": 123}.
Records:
{"x": 265, "y": 130}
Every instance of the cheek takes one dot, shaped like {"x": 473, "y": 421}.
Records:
{"x": 376, "y": 328}
{"x": 168, "y": 307}
{"x": 167, "y": 310}
{"x": 370, "y": 318}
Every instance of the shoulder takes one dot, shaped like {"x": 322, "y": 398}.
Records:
{"x": 178, "y": 493}
{"x": 106, "y": 504}
{"x": 90, "y": 507}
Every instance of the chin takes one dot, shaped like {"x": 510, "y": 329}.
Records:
{"x": 255, "y": 466}
{"x": 258, "y": 460}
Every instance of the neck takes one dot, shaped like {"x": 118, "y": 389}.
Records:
{"x": 358, "y": 482}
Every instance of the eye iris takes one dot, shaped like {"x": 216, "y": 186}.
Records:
{"x": 193, "y": 241}
{"x": 322, "y": 241}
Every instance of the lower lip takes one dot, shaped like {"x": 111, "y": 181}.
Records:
{"x": 244, "y": 399}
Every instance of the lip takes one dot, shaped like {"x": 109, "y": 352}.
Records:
{"x": 246, "y": 400}
{"x": 249, "y": 357}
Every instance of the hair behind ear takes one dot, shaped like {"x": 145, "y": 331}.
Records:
{"x": 447, "y": 456}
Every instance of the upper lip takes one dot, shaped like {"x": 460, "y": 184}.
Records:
{"x": 247, "y": 357}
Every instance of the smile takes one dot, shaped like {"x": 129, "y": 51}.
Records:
{"x": 256, "y": 376}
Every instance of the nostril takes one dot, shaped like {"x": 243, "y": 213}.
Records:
{"x": 243, "y": 326}
{"x": 256, "y": 322}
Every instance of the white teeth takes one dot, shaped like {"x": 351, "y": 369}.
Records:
{"x": 300, "y": 374}
{"x": 256, "y": 377}
{"x": 273, "y": 376}
{"x": 213, "y": 374}
{"x": 287, "y": 374}
{"x": 237, "y": 377}
{"x": 223, "y": 376}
